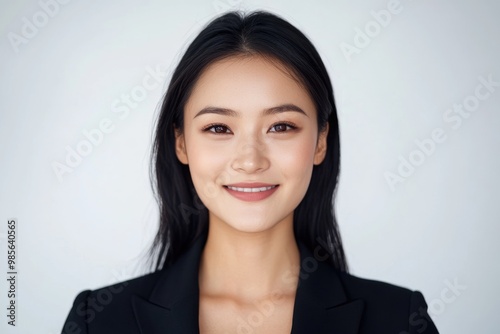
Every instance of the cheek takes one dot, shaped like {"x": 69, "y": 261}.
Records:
{"x": 207, "y": 165}
{"x": 296, "y": 160}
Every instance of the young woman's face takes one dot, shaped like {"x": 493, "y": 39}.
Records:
{"x": 250, "y": 139}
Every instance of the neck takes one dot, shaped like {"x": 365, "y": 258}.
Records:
{"x": 249, "y": 266}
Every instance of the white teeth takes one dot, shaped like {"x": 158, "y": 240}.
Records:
{"x": 251, "y": 190}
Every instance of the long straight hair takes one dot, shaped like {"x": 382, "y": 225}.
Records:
{"x": 182, "y": 215}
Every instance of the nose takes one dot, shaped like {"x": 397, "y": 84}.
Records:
{"x": 251, "y": 157}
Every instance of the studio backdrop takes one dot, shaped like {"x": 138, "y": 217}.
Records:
{"x": 417, "y": 87}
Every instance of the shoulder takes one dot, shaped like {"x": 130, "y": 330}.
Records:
{"x": 384, "y": 301}
{"x": 143, "y": 301}
{"x": 141, "y": 286}
{"x": 364, "y": 288}
{"x": 97, "y": 308}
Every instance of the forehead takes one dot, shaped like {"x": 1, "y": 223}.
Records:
{"x": 246, "y": 82}
{"x": 242, "y": 63}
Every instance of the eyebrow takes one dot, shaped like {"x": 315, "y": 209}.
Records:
{"x": 269, "y": 111}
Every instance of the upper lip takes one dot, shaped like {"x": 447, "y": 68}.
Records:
{"x": 250, "y": 185}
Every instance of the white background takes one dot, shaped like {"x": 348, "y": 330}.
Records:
{"x": 90, "y": 228}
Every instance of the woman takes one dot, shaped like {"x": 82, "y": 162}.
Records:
{"x": 246, "y": 161}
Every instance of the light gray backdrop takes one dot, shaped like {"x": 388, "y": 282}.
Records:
{"x": 417, "y": 88}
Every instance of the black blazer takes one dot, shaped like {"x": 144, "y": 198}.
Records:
{"x": 326, "y": 301}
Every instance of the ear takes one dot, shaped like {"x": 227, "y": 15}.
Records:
{"x": 180, "y": 147}
{"x": 321, "y": 146}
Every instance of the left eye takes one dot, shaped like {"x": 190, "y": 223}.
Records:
{"x": 281, "y": 127}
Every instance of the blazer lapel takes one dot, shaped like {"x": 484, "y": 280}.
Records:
{"x": 173, "y": 304}
{"x": 156, "y": 319}
{"x": 321, "y": 305}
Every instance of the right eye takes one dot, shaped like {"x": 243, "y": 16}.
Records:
{"x": 217, "y": 129}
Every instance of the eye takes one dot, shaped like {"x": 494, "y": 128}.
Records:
{"x": 217, "y": 129}
{"x": 282, "y": 127}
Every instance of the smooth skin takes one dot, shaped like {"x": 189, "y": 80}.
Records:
{"x": 249, "y": 120}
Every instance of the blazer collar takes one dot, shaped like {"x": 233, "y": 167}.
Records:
{"x": 321, "y": 305}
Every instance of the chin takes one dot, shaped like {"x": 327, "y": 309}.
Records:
{"x": 254, "y": 224}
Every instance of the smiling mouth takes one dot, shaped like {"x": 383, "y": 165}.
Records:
{"x": 251, "y": 189}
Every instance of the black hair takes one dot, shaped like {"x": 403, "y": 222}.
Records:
{"x": 182, "y": 215}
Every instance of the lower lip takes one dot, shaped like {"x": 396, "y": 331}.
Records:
{"x": 251, "y": 197}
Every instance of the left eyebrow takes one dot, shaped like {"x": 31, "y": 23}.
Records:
{"x": 284, "y": 108}
{"x": 269, "y": 111}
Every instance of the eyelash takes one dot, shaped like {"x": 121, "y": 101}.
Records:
{"x": 287, "y": 124}
{"x": 209, "y": 127}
